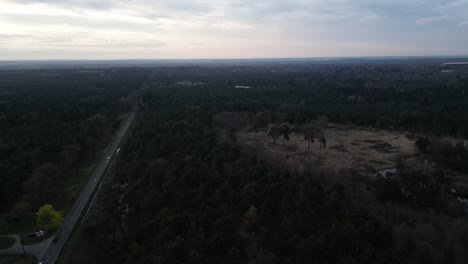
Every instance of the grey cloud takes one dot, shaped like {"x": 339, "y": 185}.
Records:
{"x": 399, "y": 24}
{"x": 429, "y": 20}
{"x": 93, "y": 4}
{"x": 9, "y": 37}
{"x": 44, "y": 38}
{"x": 119, "y": 43}
{"x": 79, "y": 22}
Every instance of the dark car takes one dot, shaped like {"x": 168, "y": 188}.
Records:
{"x": 56, "y": 238}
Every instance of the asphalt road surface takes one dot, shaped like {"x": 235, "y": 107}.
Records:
{"x": 53, "y": 250}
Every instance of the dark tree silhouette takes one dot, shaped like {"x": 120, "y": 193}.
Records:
{"x": 275, "y": 132}
{"x": 286, "y": 130}
{"x": 423, "y": 144}
{"x": 309, "y": 135}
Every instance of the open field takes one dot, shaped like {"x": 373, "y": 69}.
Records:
{"x": 347, "y": 148}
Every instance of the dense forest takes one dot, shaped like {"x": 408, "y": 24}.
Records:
{"x": 185, "y": 191}
{"x": 52, "y": 123}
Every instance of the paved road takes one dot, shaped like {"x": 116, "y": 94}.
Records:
{"x": 53, "y": 250}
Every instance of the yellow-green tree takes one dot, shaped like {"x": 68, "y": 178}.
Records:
{"x": 48, "y": 218}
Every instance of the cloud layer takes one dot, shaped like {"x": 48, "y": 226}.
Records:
{"x": 117, "y": 29}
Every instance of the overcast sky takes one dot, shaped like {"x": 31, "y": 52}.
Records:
{"x": 160, "y": 29}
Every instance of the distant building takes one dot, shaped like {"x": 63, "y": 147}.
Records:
{"x": 189, "y": 83}
{"x": 355, "y": 98}
{"x": 446, "y": 71}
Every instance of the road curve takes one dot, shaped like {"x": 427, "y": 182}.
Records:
{"x": 53, "y": 250}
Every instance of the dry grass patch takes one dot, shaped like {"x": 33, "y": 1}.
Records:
{"x": 348, "y": 148}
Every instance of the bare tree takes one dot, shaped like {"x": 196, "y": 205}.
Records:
{"x": 286, "y": 130}
{"x": 309, "y": 135}
{"x": 323, "y": 141}
{"x": 275, "y": 133}
{"x": 261, "y": 121}
{"x": 322, "y": 121}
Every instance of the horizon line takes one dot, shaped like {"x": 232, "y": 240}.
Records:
{"x": 244, "y": 58}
